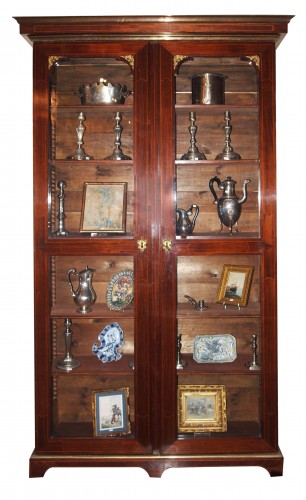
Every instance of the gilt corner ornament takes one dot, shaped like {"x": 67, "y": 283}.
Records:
{"x": 254, "y": 60}
{"x": 52, "y": 60}
{"x": 129, "y": 59}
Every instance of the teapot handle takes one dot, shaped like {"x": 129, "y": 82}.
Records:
{"x": 190, "y": 212}
{"x": 71, "y": 271}
{"x": 211, "y": 187}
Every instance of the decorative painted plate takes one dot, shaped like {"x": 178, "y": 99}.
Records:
{"x": 120, "y": 291}
{"x": 214, "y": 348}
{"x": 111, "y": 339}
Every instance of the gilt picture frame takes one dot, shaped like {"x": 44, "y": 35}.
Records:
{"x": 202, "y": 408}
{"x": 235, "y": 285}
{"x": 111, "y": 412}
{"x": 104, "y": 207}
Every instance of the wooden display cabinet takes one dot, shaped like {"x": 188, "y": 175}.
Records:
{"x": 155, "y": 58}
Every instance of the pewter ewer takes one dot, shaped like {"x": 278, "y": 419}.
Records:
{"x": 229, "y": 206}
{"x": 103, "y": 92}
{"x": 85, "y": 296}
{"x": 185, "y": 226}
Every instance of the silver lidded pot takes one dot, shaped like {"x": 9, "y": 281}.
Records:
{"x": 208, "y": 88}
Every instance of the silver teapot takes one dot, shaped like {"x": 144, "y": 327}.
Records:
{"x": 229, "y": 206}
{"x": 85, "y": 296}
{"x": 185, "y": 226}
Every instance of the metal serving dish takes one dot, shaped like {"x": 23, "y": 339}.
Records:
{"x": 103, "y": 92}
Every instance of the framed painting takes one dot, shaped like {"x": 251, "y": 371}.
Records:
{"x": 235, "y": 285}
{"x": 111, "y": 412}
{"x": 104, "y": 207}
{"x": 202, "y": 408}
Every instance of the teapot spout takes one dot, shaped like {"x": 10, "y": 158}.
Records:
{"x": 244, "y": 191}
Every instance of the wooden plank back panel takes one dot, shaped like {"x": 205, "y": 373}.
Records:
{"x": 74, "y": 400}
{"x": 197, "y": 177}
{"x": 76, "y": 174}
{"x": 200, "y": 277}
{"x": 105, "y": 269}
{"x": 242, "y": 394}
{"x": 240, "y": 83}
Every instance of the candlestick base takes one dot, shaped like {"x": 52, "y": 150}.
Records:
{"x": 228, "y": 155}
{"x": 67, "y": 364}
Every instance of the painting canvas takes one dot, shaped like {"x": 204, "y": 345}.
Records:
{"x": 111, "y": 412}
{"x": 104, "y": 207}
{"x": 202, "y": 408}
{"x": 235, "y": 285}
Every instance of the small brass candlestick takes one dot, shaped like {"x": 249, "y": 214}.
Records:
{"x": 80, "y": 153}
{"x": 61, "y": 231}
{"x": 254, "y": 365}
{"x": 193, "y": 152}
{"x": 68, "y": 363}
{"x": 117, "y": 152}
{"x": 228, "y": 153}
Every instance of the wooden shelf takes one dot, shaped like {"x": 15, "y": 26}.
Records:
{"x": 242, "y": 162}
{"x": 84, "y": 430}
{"x": 237, "y": 367}
{"x": 91, "y": 365}
{"x": 98, "y": 311}
{"x": 62, "y": 162}
{"x": 105, "y": 108}
{"x": 216, "y": 108}
{"x": 186, "y": 311}
{"x": 234, "y": 429}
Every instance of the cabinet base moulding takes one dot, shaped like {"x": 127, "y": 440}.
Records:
{"x": 155, "y": 465}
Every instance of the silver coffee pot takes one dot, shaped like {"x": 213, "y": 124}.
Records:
{"x": 85, "y": 296}
{"x": 229, "y": 206}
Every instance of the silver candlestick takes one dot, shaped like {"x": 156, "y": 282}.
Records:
{"x": 193, "y": 152}
{"x": 228, "y": 153}
{"x": 254, "y": 365}
{"x": 80, "y": 153}
{"x": 179, "y": 362}
{"x": 117, "y": 152}
{"x": 61, "y": 231}
{"x": 68, "y": 363}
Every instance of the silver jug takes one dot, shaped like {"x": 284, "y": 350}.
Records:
{"x": 185, "y": 226}
{"x": 229, "y": 206}
{"x": 85, "y": 296}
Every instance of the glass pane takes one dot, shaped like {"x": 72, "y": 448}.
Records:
{"x": 90, "y": 142}
{"x": 217, "y": 338}
{"x": 92, "y": 339}
{"x": 217, "y": 147}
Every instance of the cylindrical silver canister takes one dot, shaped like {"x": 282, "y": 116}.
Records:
{"x": 208, "y": 88}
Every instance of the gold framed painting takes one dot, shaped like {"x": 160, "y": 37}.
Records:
{"x": 235, "y": 285}
{"x": 111, "y": 412}
{"x": 202, "y": 408}
{"x": 104, "y": 207}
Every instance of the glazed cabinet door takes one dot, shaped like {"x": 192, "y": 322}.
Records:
{"x": 218, "y": 297}
{"x": 92, "y": 248}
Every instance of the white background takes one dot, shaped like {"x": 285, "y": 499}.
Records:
{"x": 16, "y": 297}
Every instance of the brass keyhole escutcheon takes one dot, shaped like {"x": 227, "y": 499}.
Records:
{"x": 166, "y": 245}
{"x": 142, "y": 245}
